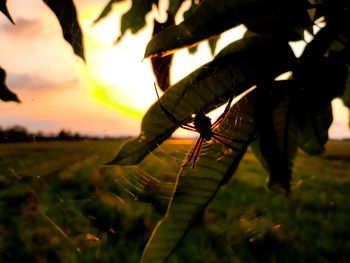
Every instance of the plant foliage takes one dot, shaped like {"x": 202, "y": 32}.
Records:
{"x": 288, "y": 115}
{"x": 4, "y": 10}
{"x": 66, "y": 13}
{"x": 5, "y": 93}
{"x": 275, "y": 119}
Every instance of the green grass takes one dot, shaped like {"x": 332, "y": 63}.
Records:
{"x": 58, "y": 203}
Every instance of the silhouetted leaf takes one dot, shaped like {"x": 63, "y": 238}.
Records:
{"x": 268, "y": 148}
{"x": 313, "y": 126}
{"x": 319, "y": 44}
{"x": 193, "y": 6}
{"x": 212, "y": 17}
{"x": 212, "y": 41}
{"x": 278, "y": 134}
{"x": 248, "y": 61}
{"x": 346, "y": 94}
{"x": 191, "y": 50}
{"x": 135, "y": 18}
{"x": 4, "y": 10}
{"x": 5, "y": 93}
{"x": 161, "y": 66}
{"x": 337, "y": 12}
{"x": 174, "y": 6}
{"x": 67, "y": 15}
{"x": 288, "y": 24}
{"x": 195, "y": 188}
{"x": 320, "y": 80}
{"x": 187, "y": 13}
{"x": 106, "y": 10}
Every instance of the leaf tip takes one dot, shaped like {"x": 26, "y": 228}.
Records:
{"x": 112, "y": 162}
{"x": 7, "y": 14}
{"x": 278, "y": 186}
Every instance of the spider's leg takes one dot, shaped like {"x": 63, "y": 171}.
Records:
{"x": 220, "y": 119}
{"x": 171, "y": 117}
{"x": 228, "y": 138}
{"x": 225, "y": 143}
{"x": 196, "y": 154}
{"x": 227, "y": 108}
{"x": 239, "y": 97}
{"x": 194, "y": 149}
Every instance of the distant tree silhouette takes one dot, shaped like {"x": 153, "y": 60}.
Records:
{"x": 67, "y": 135}
{"x": 14, "y": 134}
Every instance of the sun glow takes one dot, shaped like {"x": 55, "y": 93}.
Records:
{"x": 118, "y": 76}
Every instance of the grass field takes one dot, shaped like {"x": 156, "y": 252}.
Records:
{"x": 58, "y": 203}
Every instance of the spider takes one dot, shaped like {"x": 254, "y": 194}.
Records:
{"x": 201, "y": 124}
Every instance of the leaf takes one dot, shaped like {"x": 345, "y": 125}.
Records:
{"x": 320, "y": 79}
{"x": 4, "y": 10}
{"x": 174, "y": 6}
{"x": 67, "y": 15}
{"x": 247, "y": 61}
{"x": 319, "y": 44}
{"x": 106, "y": 10}
{"x": 288, "y": 24}
{"x": 5, "y": 93}
{"x": 191, "y": 50}
{"x": 161, "y": 66}
{"x": 212, "y": 17}
{"x": 278, "y": 134}
{"x": 194, "y": 4}
{"x": 135, "y": 18}
{"x": 337, "y": 12}
{"x": 195, "y": 188}
{"x": 346, "y": 94}
{"x": 189, "y": 12}
{"x": 313, "y": 127}
{"x": 212, "y": 41}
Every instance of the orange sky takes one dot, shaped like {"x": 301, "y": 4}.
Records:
{"x": 106, "y": 96}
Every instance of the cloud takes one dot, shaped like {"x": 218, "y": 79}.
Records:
{"x": 27, "y": 81}
{"x": 31, "y": 82}
{"x": 24, "y": 28}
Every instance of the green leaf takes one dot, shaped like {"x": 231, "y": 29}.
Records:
{"x": 288, "y": 23}
{"x": 191, "y": 50}
{"x": 313, "y": 126}
{"x": 66, "y": 13}
{"x": 5, "y": 93}
{"x": 4, "y": 10}
{"x": 106, "y": 10}
{"x": 212, "y": 41}
{"x": 194, "y": 4}
{"x": 278, "y": 134}
{"x": 195, "y": 188}
{"x": 161, "y": 66}
{"x": 320, "y": 79}
{"x": 135, "y": 18}
{"x": 277, "y": 141}
{"x": 320, "y": 43}
{"x": 346, "y": 94}
{"x": 189, "y": 12}
{"x": 335, "y": 11}
{"x": 248, "y": 61}
{"x": 212, "y": 17}
{"x": 174, "y": 6}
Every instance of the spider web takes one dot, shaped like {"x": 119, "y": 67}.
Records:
{"x": 69, "y": 200}
{"x": 62, "y": 203}
{"x": 62, "y": 196}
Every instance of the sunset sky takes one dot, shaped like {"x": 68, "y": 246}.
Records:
{"x": 106, "y": 96}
